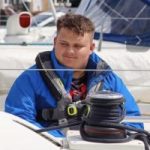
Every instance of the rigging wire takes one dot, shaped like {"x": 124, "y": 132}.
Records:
{"x": 87, "y": 70}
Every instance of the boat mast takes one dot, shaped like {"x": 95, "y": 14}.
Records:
{"x": 53, "y": 10}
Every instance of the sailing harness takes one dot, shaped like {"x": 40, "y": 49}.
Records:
{"x": 100, "y": 115}
{"x": 66, "y": 108}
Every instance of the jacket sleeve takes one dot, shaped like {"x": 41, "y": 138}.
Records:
{"x": 114, "y": 83}
{"x": 22, "y": 98}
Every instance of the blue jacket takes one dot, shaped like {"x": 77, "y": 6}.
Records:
{"x": 29, "y": 93}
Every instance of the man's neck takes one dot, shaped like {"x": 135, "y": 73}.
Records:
{"x": 78, "y": 74}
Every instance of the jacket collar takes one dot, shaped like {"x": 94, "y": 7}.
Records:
{"x": 92, "y": 77}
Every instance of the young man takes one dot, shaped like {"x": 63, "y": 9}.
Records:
{"x": 32, "y": 95}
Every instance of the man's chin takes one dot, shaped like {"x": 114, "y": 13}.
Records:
{"x": 69, "y": 66}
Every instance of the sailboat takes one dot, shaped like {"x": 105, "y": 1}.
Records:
{"x": 126, "y": 51}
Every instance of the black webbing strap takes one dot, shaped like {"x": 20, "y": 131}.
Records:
{"x": 50, "y": 78}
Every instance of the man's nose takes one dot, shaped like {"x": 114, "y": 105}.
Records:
{"x": 71, "y": 49}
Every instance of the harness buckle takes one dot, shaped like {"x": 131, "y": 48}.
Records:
{"x": 62, "y": 121}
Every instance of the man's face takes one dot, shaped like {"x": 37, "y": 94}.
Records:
{"x": 73, "y": 50}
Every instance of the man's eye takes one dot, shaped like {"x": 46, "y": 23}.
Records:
{"x": 64, "y": 44}
{"x": 78, "y": 46}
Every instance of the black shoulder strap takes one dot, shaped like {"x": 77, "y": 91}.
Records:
{"x": 49, "y": 76}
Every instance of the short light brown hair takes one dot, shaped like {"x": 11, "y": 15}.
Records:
{"x": 77, "y": 23}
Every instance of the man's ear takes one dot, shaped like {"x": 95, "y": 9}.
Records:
{"x": 92, "y": 47}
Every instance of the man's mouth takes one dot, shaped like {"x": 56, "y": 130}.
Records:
{"x": 70, "y": 57}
